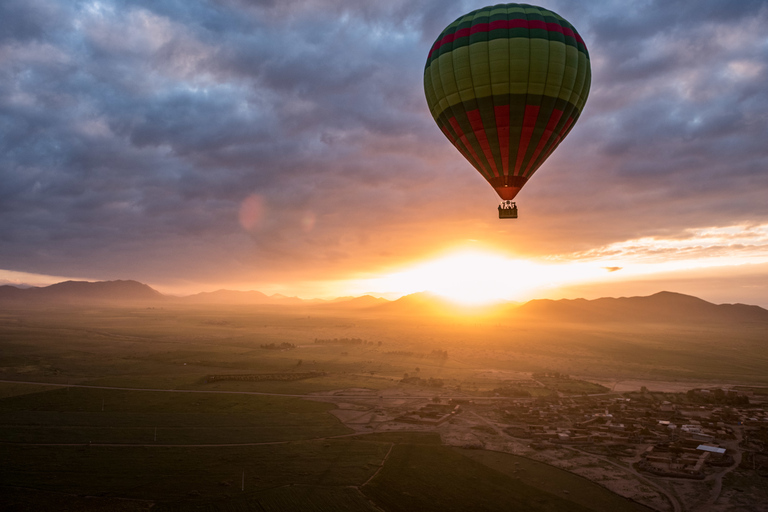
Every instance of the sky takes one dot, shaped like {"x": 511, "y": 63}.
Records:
{"x": 286, "y": 146}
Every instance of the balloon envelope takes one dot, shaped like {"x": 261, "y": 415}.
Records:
{"x": 505, "y": 84}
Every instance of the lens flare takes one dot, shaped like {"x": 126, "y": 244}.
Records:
{"x": 251, "y": 212}
{"x": 308, "y": 221}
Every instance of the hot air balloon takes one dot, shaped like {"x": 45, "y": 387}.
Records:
{"x": 505, "y": 84}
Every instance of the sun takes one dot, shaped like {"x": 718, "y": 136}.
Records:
{"x": 475, "y": 277}
{"x": 467, "y": 277}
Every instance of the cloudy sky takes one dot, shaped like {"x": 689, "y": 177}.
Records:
{"x": 286, "y": 146}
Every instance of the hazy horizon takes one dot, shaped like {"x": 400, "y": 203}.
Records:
{"x": 117, "y": 294}
{"x": 712, "y": 290}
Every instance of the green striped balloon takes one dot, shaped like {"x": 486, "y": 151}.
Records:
{"x": 505, "y": 84}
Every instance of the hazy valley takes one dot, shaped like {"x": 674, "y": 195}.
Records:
{"x": 275, "y": 402}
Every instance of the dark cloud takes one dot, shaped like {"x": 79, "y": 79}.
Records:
{"x": 27, "y": 20}
{"x": 132, "y": 134}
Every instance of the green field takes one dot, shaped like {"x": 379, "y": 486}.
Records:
{"x": 435, "y": 478}
{"x": 274, "y": 470}
{"x": 540, "y": 476}
{"x": 61, "y": 444}
{"x": 81, "y": 415}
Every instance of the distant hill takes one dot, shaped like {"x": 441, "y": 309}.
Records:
{"x": 227, "y": 297}
{"x": 232, "y": 297}
{"x": 426, "y": 303}
{"x": 421, "y": 302}
{"x": 133, "y": 292}
{"x": 9, "y": 293}
{"x": 365, "y": 301}
{"x": 252, "y": 297}
{"x": 662, "y": 307}
{"x": 83, "y": 292}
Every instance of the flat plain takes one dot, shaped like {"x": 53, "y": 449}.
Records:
{"x": 122, "y": 414}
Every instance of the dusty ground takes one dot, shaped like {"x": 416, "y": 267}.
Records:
{"x": 376, "y": 412}
{"x": 366, "y": 410}
{"x": 676, "y": 386}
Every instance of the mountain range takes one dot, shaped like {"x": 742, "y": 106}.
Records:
{"x": 82, "y": 292}
{"x": 136, "y": 293}
{"x": 662, "y": 307}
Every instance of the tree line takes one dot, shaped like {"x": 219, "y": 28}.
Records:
{"x": 343, "y": 341}
{"x": 282, "y": 346}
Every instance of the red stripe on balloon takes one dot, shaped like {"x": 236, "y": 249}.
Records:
{"x": 545, "y": 137}
{"x": 529, "y": 123}
{"x": 502, "y": 128}
{"x": 465, "y": 142}
{"x": 477, "y": 126}
{"x": 458, "y": 145}
{"x": 559, "y": 137}
{"x": 504, "y": 24}
{"x": 448, "y": 134}
{"x": 449, "y": 38}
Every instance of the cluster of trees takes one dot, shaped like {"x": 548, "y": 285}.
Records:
{"x": 418, "y": 381}
{"x": 400, "y": 353}
{"x": 511, "y": 391}
{"x": 260, "y": 377}
{"x": 716, "y": 396}
{"x": 343, "y": 341}
{"x": 282, "y": 346}
{"x": 435, "y": 354}
{"x": 551, "y": 375}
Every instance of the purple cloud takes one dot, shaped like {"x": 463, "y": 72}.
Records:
{"x": 132, "y": 134}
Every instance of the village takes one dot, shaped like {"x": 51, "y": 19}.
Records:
{"x": 669, "y": 451}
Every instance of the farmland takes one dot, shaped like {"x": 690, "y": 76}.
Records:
{"x": 123, "y": 417}
{"x": 181, "y": 451}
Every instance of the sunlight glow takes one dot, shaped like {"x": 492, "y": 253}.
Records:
{"x": 478, "y": 277}
{"x": 472, "y": 277}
